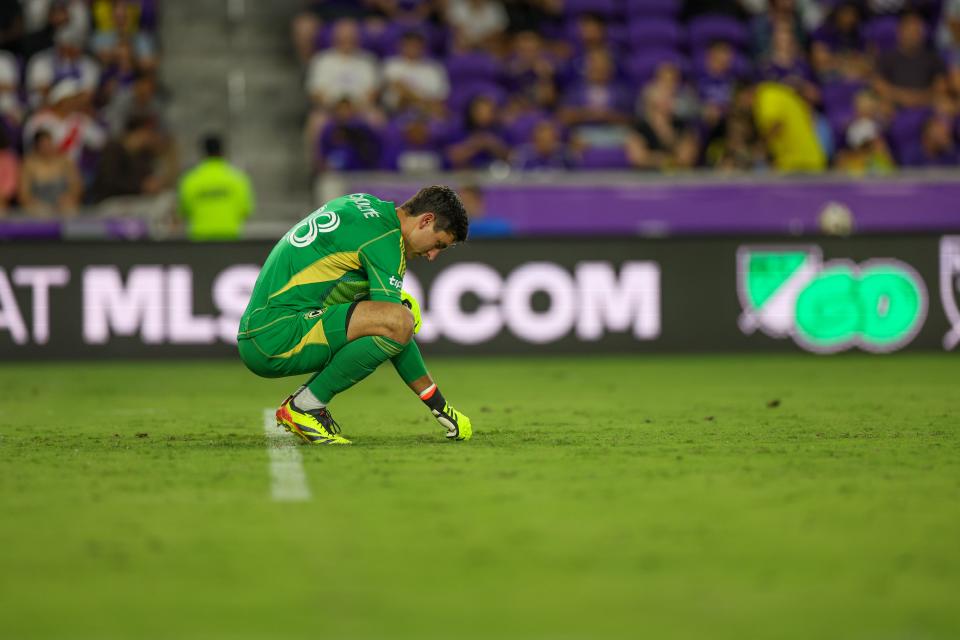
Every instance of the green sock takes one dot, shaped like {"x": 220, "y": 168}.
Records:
{"x": 351, "y": 364}
{"x": 409, "y": 363}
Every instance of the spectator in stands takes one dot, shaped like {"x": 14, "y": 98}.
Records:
{"x": 716, "y": 84}
{"x": 118, "y": 73}
{"x": 659, "y": 140}
{"x": 736, "y": 147}
{"x": 43, "y": 20}
{"x": 913, "y": 73}
{"x": 9, "y": 172}
{"x": 476, "y": 23}
{"x": 785, "y": 123}
{"x": 49, "y": 181}
{"x": 686, "y": 106}
{"x": 838, "y": 50}
{"x": 117, "y": 22}
{"x": 215, "y": 197}
{"x": 786, "y": 64}
{"x": 128, "y": 165}
{"x": 867, "y": 152}
{"x": 530, "y": 73}
{"x": 482, "y": 223}
{"x": 780, "y": 14}
{"x": 414, "y": 148}
{"x": 316, "y": 13}
{"x": 11, "y": 26}
{"x": 11, "y": 110}
{"x": 484, "y": 141}
{"x": 413, "y": 81}
{"x": 544, "y": 151}
{"x": 66, "y": 120}
{"x": 65, "y": 61}
{"x": 343, "y": 71}
{"x": 600, "y": 99}
{"x": 347, "y": 142}
{"x": 138, "y": 100}
{"x": 948, "y": 39}
{"x": 936, "y": 147}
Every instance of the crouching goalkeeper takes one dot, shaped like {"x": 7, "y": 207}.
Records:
{"x": 329, "y": 302}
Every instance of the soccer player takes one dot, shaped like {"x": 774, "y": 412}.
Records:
{"x": 329, "y": 302}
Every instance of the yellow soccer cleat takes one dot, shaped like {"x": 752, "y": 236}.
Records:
{"x": 457, "y": 424}
{"x": 315, "y": 426}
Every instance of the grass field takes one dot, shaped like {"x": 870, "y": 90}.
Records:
{"x": 654, "y": 497}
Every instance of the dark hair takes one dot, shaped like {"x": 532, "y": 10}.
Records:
{"x": 212, "y": 145}
{"x": 40, "y": 134}
{"x": 445, "y": 204}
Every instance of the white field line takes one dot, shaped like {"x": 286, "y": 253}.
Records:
{"x": 288, "y": 481}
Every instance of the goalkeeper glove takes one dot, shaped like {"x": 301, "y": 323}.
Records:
{"x": 411, "y": 303}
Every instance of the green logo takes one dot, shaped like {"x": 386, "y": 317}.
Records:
{"x": 878, "y": 305}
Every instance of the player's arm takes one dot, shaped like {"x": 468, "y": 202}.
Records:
{"x": 411, "y": 368}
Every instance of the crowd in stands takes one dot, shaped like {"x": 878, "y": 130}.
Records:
{"x": 863, "y": 86}
{"x": 81, "y": 115}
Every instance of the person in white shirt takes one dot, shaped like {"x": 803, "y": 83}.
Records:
{"x": 70, "y": 128}
{"x": 413, "y": 81}
{"x": 476, "y": 23}
{"x": 342, "y": 71}
{"x": 65, "y": 60}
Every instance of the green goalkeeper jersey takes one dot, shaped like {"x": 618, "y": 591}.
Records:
{"x": 349, "y": 249}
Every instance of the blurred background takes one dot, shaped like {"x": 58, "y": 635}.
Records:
{"x": 109, "y": 106}
{"x": 565, "y": 124}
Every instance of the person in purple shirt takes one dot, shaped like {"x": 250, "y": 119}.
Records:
{"x": 786, "y": 65}
{"x": 347, "y": 142}
{"x": 531, "y": 72}
{"x": 414, "y": 147}
{"x": 545, "y": 150}
{"x": 838, "y": 48}
{"x": 717, "y": 82}
{"x": 599, "y": 99}
{"x": 483, "y": 142}
{"x": 936, "y": 148}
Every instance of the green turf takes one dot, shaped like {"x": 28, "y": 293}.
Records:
{"x": 645, "y": 497}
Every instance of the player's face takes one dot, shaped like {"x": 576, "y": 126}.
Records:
{"x": 425, "y": 242}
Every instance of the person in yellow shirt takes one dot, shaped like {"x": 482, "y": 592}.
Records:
{"x": 785, "y": 123}
{"x": 215, "y": 197}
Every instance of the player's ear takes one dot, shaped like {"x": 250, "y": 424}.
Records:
{"x": 427, "y": 219}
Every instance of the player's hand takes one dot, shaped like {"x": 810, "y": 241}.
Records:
{"x": 458, "y": 425}
{"x": 411, "y": 303}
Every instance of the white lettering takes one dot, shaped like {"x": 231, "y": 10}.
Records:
{"x": 231, "y": 293}
{"x": 606, "y": 303}
{"x": 10, "y": 317}
{"x": 182, "y": 326}
{"x": 445, "y": 294}
{"x": 545, "y": 326}
{"x": 40, "y": 279}
{"x": 107, "y": 304}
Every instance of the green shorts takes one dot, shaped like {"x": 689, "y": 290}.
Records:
{"x": 274, "y": 343}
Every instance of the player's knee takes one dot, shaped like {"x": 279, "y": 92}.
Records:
{"x": 400, "y": 325}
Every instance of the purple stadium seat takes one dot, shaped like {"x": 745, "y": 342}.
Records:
{"x": 707, "y": 28}
{"x": 605, "y": 8}
{"x": 653, "y": 8}
{"x": 906, "y": 128}
{"x": 520, "y": 130}
{"x": 655, "y": 33}
{"x": 839, "y": 95}
{"x": 641, "y": 66}
{"x": 473, "y": 67}
{"x": 596, "y": 158}
{"x": 881, "y": 33}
